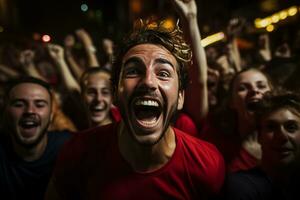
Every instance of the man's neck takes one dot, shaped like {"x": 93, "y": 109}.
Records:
{"x": 144, "y": 158}
{"x": 31, "y": 154}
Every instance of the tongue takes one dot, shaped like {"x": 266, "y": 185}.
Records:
{"x": 28, "y": 132}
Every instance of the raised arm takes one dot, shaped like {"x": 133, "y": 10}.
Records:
{"x": 89, "y": 47}
{"x": 188, "y": 10}
{"x": 57, "y": 54}
{"x": 9, "y": 72}
{"x": 234, "y": 28}
{"x": 69, "y": 43}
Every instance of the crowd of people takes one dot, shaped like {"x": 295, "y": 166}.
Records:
{"x": 157, "y": 116}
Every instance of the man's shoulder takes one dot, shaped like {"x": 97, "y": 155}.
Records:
{"x": 204, "y": 161}
{"x": 198, "y": 144}
{"x": 86, "y": 140}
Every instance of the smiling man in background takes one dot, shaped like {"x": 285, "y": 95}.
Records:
{"x": 27, "y": 150}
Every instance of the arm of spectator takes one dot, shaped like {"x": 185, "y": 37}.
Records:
{"x": 9, "y": 72}
{"x": 69, "y": 43}
{"x": 89, "y": 47}
{"x": 188, "y": 9}
{"x": 234, "y": 28}
{"x": 57, "y": 54}
{"x": 108, "y": 47}
{"x": 234, "y": 54}
{"x": 264, "y": 44}
{"x": 27, "y": 61}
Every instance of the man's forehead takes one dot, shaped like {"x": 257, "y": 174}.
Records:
{"x": 153, "y": 50}
{"x": 28, "y": 90}
{"x": 282, "y": 114}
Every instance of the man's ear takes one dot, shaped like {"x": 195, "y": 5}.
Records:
{"x": 180, "y": 100}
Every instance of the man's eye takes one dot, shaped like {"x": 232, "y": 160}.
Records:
{"x": 18, "y": 104}
{"x": 164, "y": 74}
{"x": 106, "y": 92}
{"x": 291, "y": 126}
{"x": 131, "y": 72}
{"x": 90, "y": 92}
{"x": 41, "y": 105}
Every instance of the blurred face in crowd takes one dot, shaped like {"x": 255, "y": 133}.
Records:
{"x": 148, "y": 92}
{"x": 97, "y": 97}
{"x": 248, "y": 88}
{"x": 280, "y": 137}
{"x": 28, "y": 113}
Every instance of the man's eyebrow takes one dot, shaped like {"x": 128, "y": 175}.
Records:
{"x": 133, "y": 60}
{"x": 41, "y": 101}
{"x": 164, "y": 61}
{"x": 17, "y": 100}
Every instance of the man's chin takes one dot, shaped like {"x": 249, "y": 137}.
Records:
{"x": 30, "y": 142}
{"x": 146, "y": 140}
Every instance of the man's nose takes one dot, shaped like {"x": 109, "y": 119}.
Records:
{"x": 281, "y": 133}
{"x": 99, "y": 97}
{"x": 30, "y": 108}
{"x": 149, "y": 80}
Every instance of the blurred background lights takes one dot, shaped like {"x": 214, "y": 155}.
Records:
{"x": 283, "y": 14}
{"x": 212, "y": 39}
{"x": 270, "y": 28}
{"x": 292, "y": 11}
{"x": 36, "y": 36}
{"x": 169, "y": 23}
{"x": 275, "y": 18}
{"x": 1, "y": 29}
{"x": 46, "y": 38}
{"x": 84, "y": 7}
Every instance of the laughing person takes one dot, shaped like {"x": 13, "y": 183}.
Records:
{"x": 96, "y": 93}
{"x": 27, "y": 150}
{"x": 142, "y": 157}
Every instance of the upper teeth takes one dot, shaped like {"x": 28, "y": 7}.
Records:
{"x": 29, "y": 123}
{"x": 147, "y": 103}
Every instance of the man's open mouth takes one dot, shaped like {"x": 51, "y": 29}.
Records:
{"x": 29, "y": 123}
{"x": 147, "y": 112}
{"x": 29, "y": 126}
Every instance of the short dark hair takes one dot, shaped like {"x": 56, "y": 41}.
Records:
{"x": 10, "y": 84}
{"x": 275, "y": 100}
{"x": 156, "y": 33}
{"x": 89, "y": 71}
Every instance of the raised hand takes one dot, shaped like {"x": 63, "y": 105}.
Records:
{"x": 27, "y": 57}
{"x": 186, "y": 7}
{"x": 84, "y": 37}
{"x": 56, "y": 52}
{"x": 69, "y": 41}
{"x": 108, "y": 46}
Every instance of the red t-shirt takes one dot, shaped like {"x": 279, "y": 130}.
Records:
{"x": 236, "y": 157}
{"x": 116, "y": 115}
{"x": 186, "y": 124}
{"x": 91, "y": 167}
